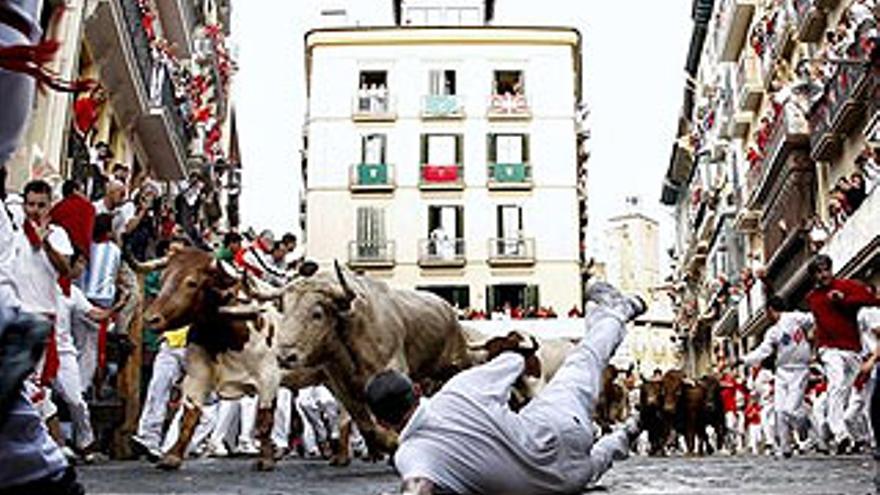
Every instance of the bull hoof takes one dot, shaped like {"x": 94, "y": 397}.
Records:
{"x": 169, "y": 462}
{"x": 264, "y": 465}
{"x": 340, "y": 461}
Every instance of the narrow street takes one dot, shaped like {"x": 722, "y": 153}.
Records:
{"x": 640, "y": 475}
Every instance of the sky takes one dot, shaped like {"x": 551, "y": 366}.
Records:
{"x": 634, "y": 54}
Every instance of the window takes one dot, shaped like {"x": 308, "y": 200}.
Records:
{"x": 370, "y": 79}
{"x": 441, "y": 82}
{"x": 445, "y": 232}
{"x": 457, "y": 295}
{"x": 519, "y": 297}
{"x": 371, "y": 232}
{"x": 442, "y": 149}
{"x": 373, "y": 149}
{"x": 510, "y": 242}
{"x": 509, "y": 82}
{"x": 508, "y": 148}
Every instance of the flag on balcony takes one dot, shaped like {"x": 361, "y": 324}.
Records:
{"x": 440, "y": 173}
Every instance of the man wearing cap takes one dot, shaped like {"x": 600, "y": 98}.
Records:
{"x": 466, "y": 439}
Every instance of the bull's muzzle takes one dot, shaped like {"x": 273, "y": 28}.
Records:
{"x": 154, "y": 320}
{"x": 287, "y": 361}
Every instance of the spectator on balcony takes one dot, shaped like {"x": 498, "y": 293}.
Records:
{"x": 868, "y": 163}
{"x": 817, "y": 232}
{"x": 76, "y": 214}
{"x": 92, "y": 175}
{"x": 856, "y": 193}
{"x": 835, "y": 304}
{"x": 575, "y": 312}
{"x": 121, "y": 173}
{"x": 86, "y": 111}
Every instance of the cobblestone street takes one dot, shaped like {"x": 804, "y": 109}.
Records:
{"x": 717, "y": 475}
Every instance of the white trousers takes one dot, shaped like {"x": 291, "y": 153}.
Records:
{"x": 248, "y": 411}
{"x": 207, "y": 423}
{"x": 321, "y": 414}
{"x": 281, "y": 423}
{"x": 227, "y": 415}
{"x": 168, "y": 367}
{"x": 768, "y": 423}
{"x": 788, "y": 399}
{"x": 569, "y": 399}
{"x": 86, "y": 337}
{"x": 68, "y": 386}
{"x": 856, "y": 414}
{"x": 841, "y": 369}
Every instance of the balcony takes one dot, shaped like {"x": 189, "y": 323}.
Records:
{"x": 509, "y": 106}
{"x": 509, "y": 176}
{"x": 791, "y": 131}
{"x": 442, "y": 107}
{"x": 823, "y": 143}
{"x": 845, "y": 96}
{"x": 811, "y": 20}
{"x": 872, "y": 128}
{"x": 373, "y": 105}
{"x": 736, "y": 16}
{"x": 787, "y": 268}
{"x": 441, "y": 253}
{"x": 779, "y": 45}
{"x": 367, "y": 254}
{"x": 511, "y": 251}
{"x": 122, "y": 52}
{"x": 178, "y": 23}
{"x": 163, "y": 132}
{"x": 371, "y": 177}
{"x": 857, "y": 238}
{"x": 747, "y": 221}
{"x": 750, "y": 87}
{"x": 441, "y": 177}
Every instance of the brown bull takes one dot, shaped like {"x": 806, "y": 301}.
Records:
{"x": 611, "y": 407}
{"x": 229, "y": 351}
{"x": 353, "y": 327}
{"x": 652, "y": 417}
{"x": 690, "y": 407}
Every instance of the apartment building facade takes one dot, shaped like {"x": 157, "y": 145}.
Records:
{"x": 446, "y": 157}
{"x": 783, "y": 106}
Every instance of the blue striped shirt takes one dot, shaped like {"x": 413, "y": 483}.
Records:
{"x": 100, "y": 278}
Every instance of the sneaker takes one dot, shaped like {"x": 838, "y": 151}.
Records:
{"x": 606, "y": 295}
{"x": 95, "y": 458}
{"x": 69, "y": 454}
{"x": 843, "y": 446}
{"x": 247, "y": 448}
{"x": 217, "y": 449}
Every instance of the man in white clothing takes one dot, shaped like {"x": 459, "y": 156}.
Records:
{"x": 466, "y": 439}
{"x": 787, "y": 338}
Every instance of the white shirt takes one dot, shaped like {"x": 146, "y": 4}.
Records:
{"x": 8, "y": 287}
{"x": 70, "y": 309}
{"x": 467, "y": 440}
{"x": 100, "y": 278}
{"x": 36, "y": 277}
{"x": 121, "y": 214}
{"x": 788, "y": 339}
{"x": 869, "y": 321}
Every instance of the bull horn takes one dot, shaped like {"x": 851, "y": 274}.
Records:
{"x": 241, "y": 311}
{"x": 349, "y": 294}
{"x": 262, "y": 293}
{"x": 149, "y": 266}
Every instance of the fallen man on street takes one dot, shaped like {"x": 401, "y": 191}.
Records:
{"x": 466, "y": 439}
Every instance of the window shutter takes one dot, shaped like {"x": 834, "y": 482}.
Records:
{"x": 384, "y": 146}
{"x": 525, "y": 149}
{"x": 424, "y": 149}
{"x": 490, "y": 299}
{"x": 450, "y": 82}
{"x": 491, "y": 151}
{"x": 364, "y": 141}
{"x": 435, "y": 82}
{"x": 533, "y": 298}
{"x": 459, "y": 150}
{"x": 459, "y": 222}
{"x": 500, "y": 221}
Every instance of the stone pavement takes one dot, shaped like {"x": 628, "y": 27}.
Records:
{"x": 640, "y": 475}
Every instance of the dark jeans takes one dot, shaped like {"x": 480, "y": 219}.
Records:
{"x": 65, "y": 484}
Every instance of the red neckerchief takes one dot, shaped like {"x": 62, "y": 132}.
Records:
{"x": 31, "y": 233}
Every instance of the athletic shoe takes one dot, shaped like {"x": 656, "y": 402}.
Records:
{"x": 141, "y": 446}
{"x": 606, "y": 295}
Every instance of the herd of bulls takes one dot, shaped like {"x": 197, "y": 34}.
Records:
{"x": 338, "y": 329}
{"x": 675, "y": 405}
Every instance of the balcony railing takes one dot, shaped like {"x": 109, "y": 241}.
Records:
{"x": 509, "y": 106}
{"x": 734, "y": 23}
{"x": 441, "y": 177}
{"x": 373, "y": 105}
{"x": 369, "y": 253}
{"x": 442, "y": 107}
{"x": 790, "y": 131}
{"x": 138, "y": 36}
{"x": 859, "y": 232}
{"x": 844, "y": 95}
{"x": 777, "y": 44}
{"x": 810, "y": 20}
{"x": 511, "y": 251}
{"x": 441, "y": 253}
{"x": 748, "y": 82}
{"x": 375, "y": 177}
{"x": 823, "y": 142}
{"x": 168, "y": 102}
{"x": 509, "y": 176}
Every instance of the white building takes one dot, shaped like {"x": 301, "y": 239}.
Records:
{"x": 446, "y": 157}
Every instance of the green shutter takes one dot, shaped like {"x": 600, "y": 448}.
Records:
{"x": 490, "y": 299}
{"x": 459, "y": 150}
{"x": 533, "y": 298}
{"x": 424, "y": 149}
{"x": 525, "y": 148}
